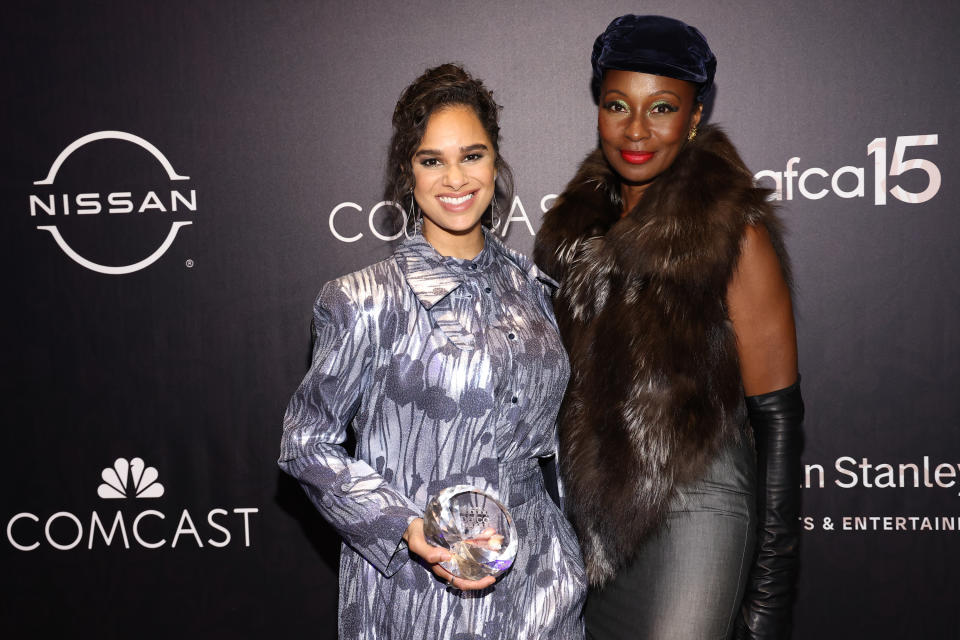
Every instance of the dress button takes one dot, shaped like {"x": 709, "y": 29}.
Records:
{"x": 473, "y": 266}
{"x": 512, "y": 336}
{"x": 487, "y": 289}
{"x": 514, "y": 399}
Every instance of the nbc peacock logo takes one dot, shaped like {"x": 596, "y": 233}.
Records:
{"x": 129, "y": 479}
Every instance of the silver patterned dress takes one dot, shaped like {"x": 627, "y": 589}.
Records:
{"x": 448, "y": 372}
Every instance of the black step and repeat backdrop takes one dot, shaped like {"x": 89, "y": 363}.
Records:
{"x": 179, "y": 179}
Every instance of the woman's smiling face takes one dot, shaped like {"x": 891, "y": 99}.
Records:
{"x": 454, "y": 175}
{"x": 643, "y": 121}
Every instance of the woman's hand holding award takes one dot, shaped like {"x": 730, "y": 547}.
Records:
{"x": 475, "y": 527}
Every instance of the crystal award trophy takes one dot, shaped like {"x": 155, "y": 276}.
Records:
{"x": 475, "y": 527}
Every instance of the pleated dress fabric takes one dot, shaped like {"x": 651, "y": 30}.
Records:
{"x": 448, "y": 372}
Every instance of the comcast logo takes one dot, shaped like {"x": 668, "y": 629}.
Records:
{"x": 126, "y": 479}
{"x": 125, "y": 525}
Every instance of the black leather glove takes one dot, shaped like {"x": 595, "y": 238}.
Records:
{"x": 777, "y": 421}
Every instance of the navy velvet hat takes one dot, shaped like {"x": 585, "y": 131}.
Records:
{"x": 654, "y": 44}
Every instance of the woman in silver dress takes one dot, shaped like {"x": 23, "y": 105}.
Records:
{"x": 445, "y": 362}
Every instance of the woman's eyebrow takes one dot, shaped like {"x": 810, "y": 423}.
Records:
{"x": 434, "y": 152}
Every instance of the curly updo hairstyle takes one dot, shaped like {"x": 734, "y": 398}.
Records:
{"x": 439, "y": 88}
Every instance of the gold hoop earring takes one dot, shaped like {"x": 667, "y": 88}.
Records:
{"x": 692, "y": 134}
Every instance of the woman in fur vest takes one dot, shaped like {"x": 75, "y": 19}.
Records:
{"x": 681, "y": 428}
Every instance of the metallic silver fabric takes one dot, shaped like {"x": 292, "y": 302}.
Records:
{"x": 449, "y": 372}
{"x": 688, "y": 578}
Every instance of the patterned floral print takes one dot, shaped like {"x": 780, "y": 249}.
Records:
{"x": 449, "y": 372}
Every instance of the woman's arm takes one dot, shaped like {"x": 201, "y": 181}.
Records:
{"x": 758, "y": 301}
{"x": 362, "y": 506}
{"x": 371, "y": 515}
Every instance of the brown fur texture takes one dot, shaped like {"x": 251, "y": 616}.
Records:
{"x": 656, "y": 390}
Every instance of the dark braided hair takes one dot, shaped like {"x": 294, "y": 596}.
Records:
{"x": 439, "y": 88}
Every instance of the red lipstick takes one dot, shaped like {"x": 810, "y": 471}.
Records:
{"x": 636, "y": 157}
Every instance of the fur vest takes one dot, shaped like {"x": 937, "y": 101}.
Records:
{"x": 655, "y": 389}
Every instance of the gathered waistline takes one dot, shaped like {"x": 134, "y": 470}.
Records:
{"x": 520, "y": 481}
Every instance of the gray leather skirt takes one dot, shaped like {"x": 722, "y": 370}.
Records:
{"x": 687, "y": 580}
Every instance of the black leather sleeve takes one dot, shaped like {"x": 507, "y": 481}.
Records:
{"x": 777, "y": 421}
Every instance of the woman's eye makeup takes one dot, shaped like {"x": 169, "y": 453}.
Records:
{"x": 431, "y": 162}
{"x": 617, "y": 106}
{"x": 663, "y": 106}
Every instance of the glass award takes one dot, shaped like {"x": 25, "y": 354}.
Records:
{"x": 475, "y": 527}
